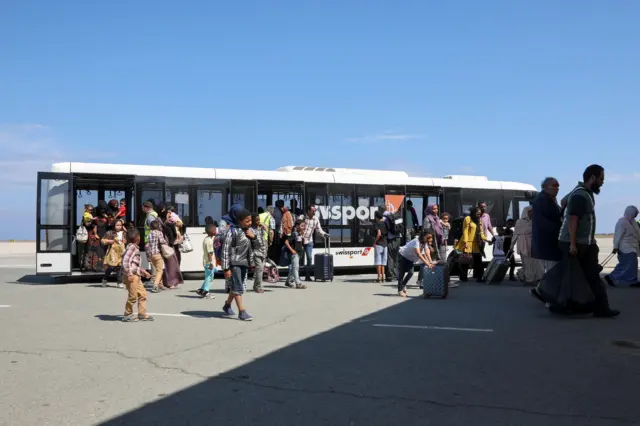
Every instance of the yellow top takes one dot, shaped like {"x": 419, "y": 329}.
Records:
{"x": 470, "y": 237}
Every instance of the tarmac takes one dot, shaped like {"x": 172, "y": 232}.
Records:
{"x": 347, "y": 352}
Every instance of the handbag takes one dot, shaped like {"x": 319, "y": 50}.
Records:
{"x": 167, "y": 251}
{"x": 187, "y": 245}
{"x": 465, "y": 259}
{"x": 82, "y": 236}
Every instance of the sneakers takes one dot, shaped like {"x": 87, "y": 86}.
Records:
{"x": 301, "y": 286}
{"x": 288, "y": 284}
{"x": 228, "y": 312}
{"x": 209, "y": 295}
{"x": 104, "y": 282}
{"x": 258, "y": 290}
{"x": 245, "y": 316}
{"x": 120, "y": 285}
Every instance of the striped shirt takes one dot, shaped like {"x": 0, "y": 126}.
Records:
{"x": 131, "y": 261}
{"x": 154, "y": 241}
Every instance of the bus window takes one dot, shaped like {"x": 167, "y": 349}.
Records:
{"x": 493, "y": 199}
{"x": 452, "y": 202}
{"x": 521, "y": 206}
{"x": 209, "y": 204}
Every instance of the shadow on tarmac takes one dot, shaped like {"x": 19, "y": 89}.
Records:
{"x": 513, "y": 370}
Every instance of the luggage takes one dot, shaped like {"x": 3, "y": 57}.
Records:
{"x": 323, "y": 263}
{"x": 497, "y": 270}
{"x": 435, "y": 282}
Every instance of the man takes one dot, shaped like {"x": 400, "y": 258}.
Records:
{"x": 393, "y": 247}
{"x": 411, "y": 220}
{"x": 151, "y": 215}
{"x": 485, "y": 221}
{"x": 577, "y": 235}
{"x": 312, "y": 225}
{"x": 546, "y": 223}
{"x": 267, "y": 223}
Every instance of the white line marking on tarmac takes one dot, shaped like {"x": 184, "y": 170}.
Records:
{"x": 5, "y": 306}
{"x": 18, "y": 266}
{"x": 433, "y": 327}
{"x": 171, "y": 315}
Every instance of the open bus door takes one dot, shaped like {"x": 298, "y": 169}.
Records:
{"x": 54, "y": 224}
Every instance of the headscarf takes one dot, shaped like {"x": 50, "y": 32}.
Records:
{"x": 630, "y": 213}
{"x": 524, "y": 225}
{"x": 436, "y": 224}
{"x": 230, "y": 217}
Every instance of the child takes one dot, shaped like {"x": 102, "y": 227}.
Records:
{"x": 154, "y": 254}
{"x": 115, "y": 242}
{"x": 508, "y": 247}
{"x": 87, "y": 216}
{"x": 446, "y": 226}
{"x": 432, "y": 255}
{"x": 122, "y": 212}
{"x": 132, "y": 273}
{"x": 209, "y": 262}
{"x": 236, "y": 253}
{"x": 293, "y": 244}
{"x": 259, "y": 250}
{"x": 498, "y": 243}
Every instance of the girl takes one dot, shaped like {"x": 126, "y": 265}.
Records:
{"x": 445, "y": 219}
{"x": 114, "y": 240}
{"x": 293, "y": 245}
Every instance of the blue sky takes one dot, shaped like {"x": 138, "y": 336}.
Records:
{"x": 510, "y": 90}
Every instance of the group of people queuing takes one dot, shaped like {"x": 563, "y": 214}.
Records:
{"x": 563, "y": 237}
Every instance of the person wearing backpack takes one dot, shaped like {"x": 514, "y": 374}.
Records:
{"x": 235, "y": 258}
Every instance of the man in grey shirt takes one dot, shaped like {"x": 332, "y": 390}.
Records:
{"x": 577, "y": 235}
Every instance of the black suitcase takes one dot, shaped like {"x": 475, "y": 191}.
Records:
{"x": 323, "y": 263}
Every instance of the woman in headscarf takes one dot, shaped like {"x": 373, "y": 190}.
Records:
{"x": 171, "y": 275}
{"x": 531, "y": 272}
{"x": 625, "y": 243}
{"x": 472, "y": 243}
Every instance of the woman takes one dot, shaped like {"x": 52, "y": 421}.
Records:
{"x": 95, "y": 250}
{"x": 171, "y": 276}
{"x": 625, "y": 243}
{"x": 433, "y": 223}
{"x": 115, "y": 242}
{"x": 530, "y": 273}
{"x": 173, "y": 225}
{"x": 472, "y": 243}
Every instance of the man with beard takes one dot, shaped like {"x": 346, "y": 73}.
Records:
{"x": 577, "y": 235}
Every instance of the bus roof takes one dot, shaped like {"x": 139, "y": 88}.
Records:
{"x": 294, "y": 174}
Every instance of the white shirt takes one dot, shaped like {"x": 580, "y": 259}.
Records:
{"x": 627, "y": 236}
{"x": 408, "y": 251}
{"x": 498, "y": 246}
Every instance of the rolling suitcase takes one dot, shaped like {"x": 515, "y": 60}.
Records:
{"x": 435, "y": 282}
{"x": 497, "y": 269}
{"x": 323, "y": 264}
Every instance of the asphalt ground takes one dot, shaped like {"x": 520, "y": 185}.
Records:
{"x": 348, "y": 352}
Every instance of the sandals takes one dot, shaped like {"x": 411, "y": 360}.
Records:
{"x": 301, "y": 286}
{"x": 145, "y": 318}
{"x": 402, "y": 294}
{"x": 130, "y": 318}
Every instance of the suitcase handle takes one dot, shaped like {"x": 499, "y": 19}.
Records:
{"x": 327, "y": 243}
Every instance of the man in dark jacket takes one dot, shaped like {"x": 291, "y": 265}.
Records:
{"x": 546, "y": 225}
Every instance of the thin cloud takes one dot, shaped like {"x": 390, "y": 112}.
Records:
{"x": 385, "y": 137}
{"x": 621, "y": 177}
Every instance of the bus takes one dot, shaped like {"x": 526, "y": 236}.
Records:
{"x": 346, "y": 201}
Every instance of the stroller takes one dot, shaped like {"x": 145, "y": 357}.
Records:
{"x": 270, "y": 271}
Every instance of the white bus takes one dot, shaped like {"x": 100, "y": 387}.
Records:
{"x": 346, "y": 200}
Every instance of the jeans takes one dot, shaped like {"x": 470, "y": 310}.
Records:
{"x": 405, "y": 267}
{"x": 308, "y": 254}
{"x": 588, "y": 258}
{"x": 208, "y": 278}
{"x": 258, "y": 271}
{"x": 391, "y": 270}
{"x": 294, "y": 270}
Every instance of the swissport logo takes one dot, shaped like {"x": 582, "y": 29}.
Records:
{"x": 364, "y": 252}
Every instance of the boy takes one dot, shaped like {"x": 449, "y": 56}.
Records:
{"x": 498, "y": 243}
{"x": 236, "y": 253}
{"x": 259, "y": 248}
{"x": 122, "y": 212}
{"x": 293, "y": 245}
{"x": 154, "y": 240}
{"x": 132, "y": 272}
{"x": 380, "y": 245}
{"x": 208, "y": 262}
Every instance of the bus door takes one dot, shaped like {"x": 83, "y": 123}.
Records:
{"x": 421, "y": 197}
{"x": 55, "y": 230}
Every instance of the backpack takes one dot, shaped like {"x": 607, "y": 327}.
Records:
{"x": 395, "y": 224}
{"x": 217, "y": 243}
{"x": 82, "y": 236}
